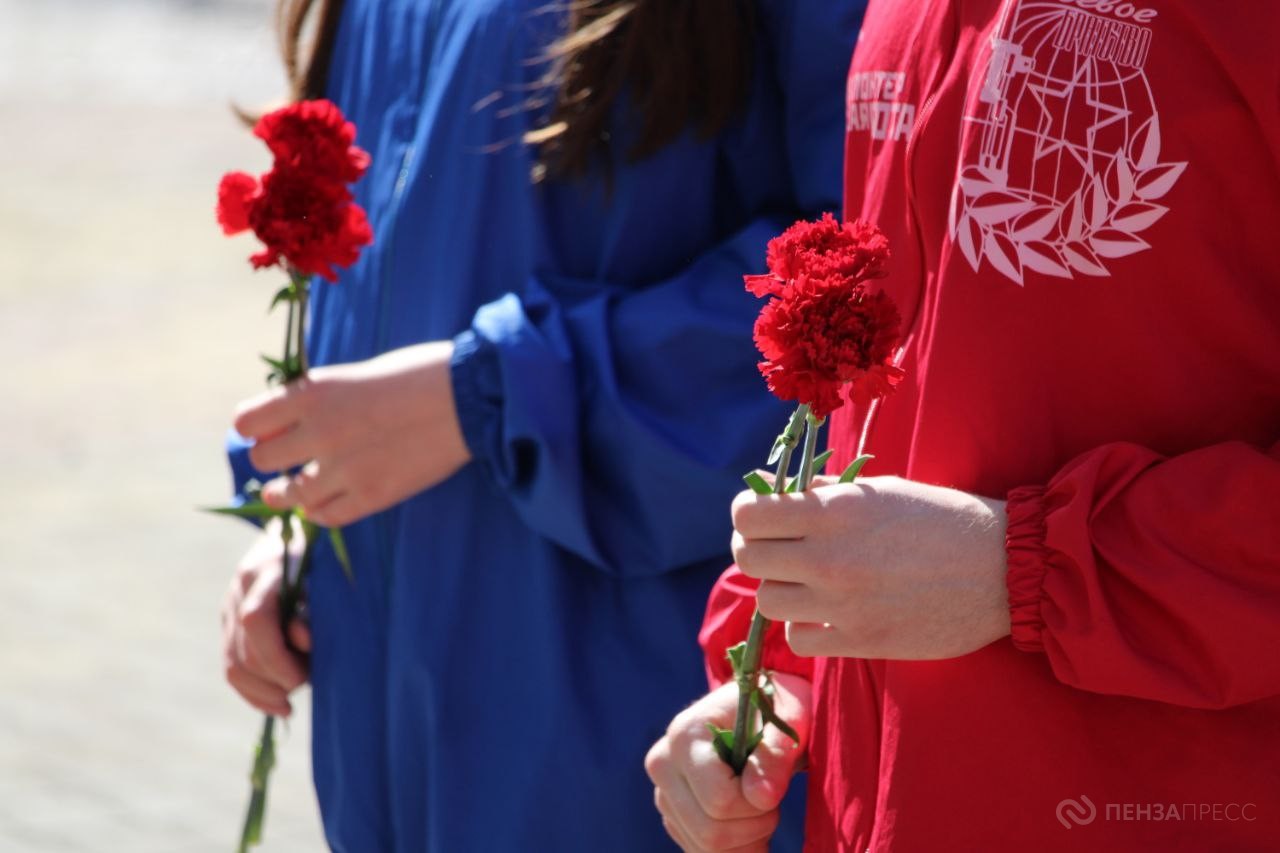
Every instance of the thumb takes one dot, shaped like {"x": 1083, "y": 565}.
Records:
{"x": 768, "y": 773}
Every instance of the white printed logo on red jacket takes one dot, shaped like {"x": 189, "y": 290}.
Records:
{"x": 1060, "y": 169}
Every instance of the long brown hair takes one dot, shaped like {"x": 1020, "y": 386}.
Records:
{"x": 683, "y": 63}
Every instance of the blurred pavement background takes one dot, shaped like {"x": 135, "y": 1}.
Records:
{"x": 129, "y": 327}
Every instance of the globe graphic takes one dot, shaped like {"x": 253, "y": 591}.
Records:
{"x": 1060, "y": 150}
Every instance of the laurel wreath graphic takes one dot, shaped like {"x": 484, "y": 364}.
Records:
{"x": 1019, "y": 230}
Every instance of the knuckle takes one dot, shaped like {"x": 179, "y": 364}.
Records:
{"x": 742, "y": 509}
{"x": 242, "y": 415}
{"x": 656, "y": 760}
{"x": 719, "y": 800}
{"x": 683, "y": 729}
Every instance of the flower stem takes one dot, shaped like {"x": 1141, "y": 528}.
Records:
{"x": 285, "y": 357}
{"x": 813, "y": 427}
{"x": 264, "y": 759}
{"x": 303, "y": 287}
{"x": 748, "y": 676}
{"x": 747, "y": 679}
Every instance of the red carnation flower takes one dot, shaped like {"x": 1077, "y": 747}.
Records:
{"x": 825, "y": 329}
{"x": 312, "y": 225}
{"x": 313, "y": 136}
{"x": 236, "y": 195}
{"x": 820, "y": 250}
{"x": 302, "y": 210}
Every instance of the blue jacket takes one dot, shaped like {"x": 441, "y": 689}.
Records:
{"x": 519, "y": 635}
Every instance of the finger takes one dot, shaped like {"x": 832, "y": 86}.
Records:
{"x": 271, "y": 412}
{"x": 268, "y": 657}
{"x": 713, "y": 788}
{"x": 772, "y": 765}
{"x": 708, "y": 833}
{"x": 264, "y": 650}
{"x": 266, "y": 697}
{"x": 300, "y": 636}
{"x": 310, "y": 489}
{"x": 283, "y": 450}
{"x": 685, "y": 766}
{"x": 785, "y": 516}
{"x": 671, "y": 820}
{"x": 809, "y": 639}
{"x": 338, "y": 511}
{"x": 791, "y": 560}
{"x": 791, "y": 602}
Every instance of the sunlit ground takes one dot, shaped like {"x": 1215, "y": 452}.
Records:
{"x": 128, "y": 329}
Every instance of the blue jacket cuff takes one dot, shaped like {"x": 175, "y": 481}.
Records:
{"x": 477, "y": 395}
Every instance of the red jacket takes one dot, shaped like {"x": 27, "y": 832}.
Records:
{"x": 1083, "y": 200}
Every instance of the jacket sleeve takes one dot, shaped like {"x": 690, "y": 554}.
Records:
{"x": 595, "y": 407}
{"x": 728, "y": 619}
{"x": 1153, "y": 577}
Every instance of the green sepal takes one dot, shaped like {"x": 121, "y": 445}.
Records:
{"x": 340, "y": 551}
{"x": 722, "y": 740}
{"x": 855, "y": 468}
{"x": 763, "y": 700}
{"x": 758, "y": 484}
{"x": 818, "y": 462}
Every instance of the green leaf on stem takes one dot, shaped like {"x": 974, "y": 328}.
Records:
{"x": 282, "y": 371}
{"x": 288, "y": 293}
{"x": 855, "y": 468}
{"x": 790, "y": 436}
{"x": 763, "y": 700}
{"x": 253, "y": 510}
{"x": 818, "y": 462}
{"x": 736, "y": 655}
{"x": 776, "y": 452}
{"x": 722, "y": 740}
{"x": 340, "y": 551}
{"x": 758, "y": 484}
